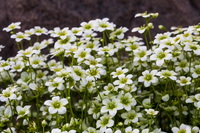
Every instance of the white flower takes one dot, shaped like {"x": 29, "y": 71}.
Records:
{"x": 161, "y": 37}
{"x": 195, "y": 129}
{"x": 56, "y": 130}
{"x": 104, "y": 122}
{"x": 87, "y": 26}
{"x": 56, "y": 105}
{"x": 160, "y": 56}
{"x": 65, "y": 41}
{"x": 8, "y": 93}
{"x": 82, "y": 54}
{"x": 157, "y": 131}
{"x": 36, "y": 61}
{"x": 141, "y": 53}
{"x": 196, "y": 71}
{"x": 167, "y": 74}
{"x": 183, "y": 65}
{"x": 145, "y": 15}
{"x": 20, "y": 36}
{"x": 77, "y": 73}
{"x": 111, "y": 106}
{"x": 27, "y": 52}
{"x": 5, "y": 65}
{"x": 12, "y": 26}
{"x": 29, "y": 32}
{"x": 109, "y": 88}
{"x": 165, "y": 98}
{"x": 94, "y": 73}
{"x": 9, "y": 131}
{"x": 93, "y": 45}
{"x": 133, "y": 46}
{"x": 127, "y": 101}
{"x": 131, "y": 116}
{"x": 56, "y": 83}
{"x": 18, "y": 66}
{"x": 192, "y": 46}
{"x": 123, "y": 80}
{"x": 119, "y": 71}
{"x": 151, "y": 111}
{"x": 145, "y": 131}
{"x": 23, "y": 111}
{"x": 141, "y": 29}
{"x": 101, "y": 25}
{"x": 26, "y": 78}
{"x": 1, "y": 47}
{"x": 44, "y": 110}
{"x": 184, "y": 81}
{"x": 63, "y": 34}
{"x": 39, "y": 31}
{"x": 107, "y": 49}
{"x": 95, "y": 110}
{"x": 5, "y": 113}
{"x": 41, "y": 75}
{"x": 91, "y": 61}
{"x": 148, "y": 77}
{"x": 88, "y": 35}
{"x": 119, "y": 33}
{"x": 71, "y": 131}
{"x": 167, "y": 43}
{"x": 182, "y": 129}
{"x": 77, "y": 31}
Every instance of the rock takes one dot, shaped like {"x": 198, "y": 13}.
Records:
{"x": 70, "y": 13}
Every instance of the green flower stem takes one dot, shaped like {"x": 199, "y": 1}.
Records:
{"x": 118, "y": 57}
{"x": 169, "y": 117}
{"x": 37, "y": 104}
{"x": 28, "y": 121}
{"x": 186, "y": 91}
{"x": 132, "y": 56}
{"x": 3, "y": 80}
{"x": 72, "y": 60}
{"x": 109, "y": 38}
{"x": 11, "y": 110}
{"x": 9, "y": 128}
{"x": 166, "y": 86}
{"x": 146, "y": 41}
{"x": 98, "y": 90}
{"x": 82, "y": 110}
{"x": 113, "y": 61}
{"x": 150, "y": 124}
{"x": 30, "y": 42}
{"x": 43, "y": 130}
{"x": 86, "y": 105}
{"x": 138, "y": 101}
{"x": 10, "y": 77}
{"x": 70, "y": 106}
{"x": 108, "y": 66}
{"x": 30, "y": 69}
{"x": 37, "y": 39}
{"x": 57, "y": 119}
{"x": 18, "y": 46}
{"x": 104, "y": 38}
{"x": 21, "y": 45}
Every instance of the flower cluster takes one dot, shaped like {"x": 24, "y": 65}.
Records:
{"x": 109, "y": 84}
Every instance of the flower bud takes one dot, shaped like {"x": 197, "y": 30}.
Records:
{"x": 44, "y": 123}
{"x": 150, "y": 25}
{"x": 165, "y": 98}
{"x": 162, "y": 27}
{"x": 155, "y": 15}
{"x": 120, "y": 124}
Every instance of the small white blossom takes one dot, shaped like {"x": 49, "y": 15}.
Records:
{"x": 56, "y": 105}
